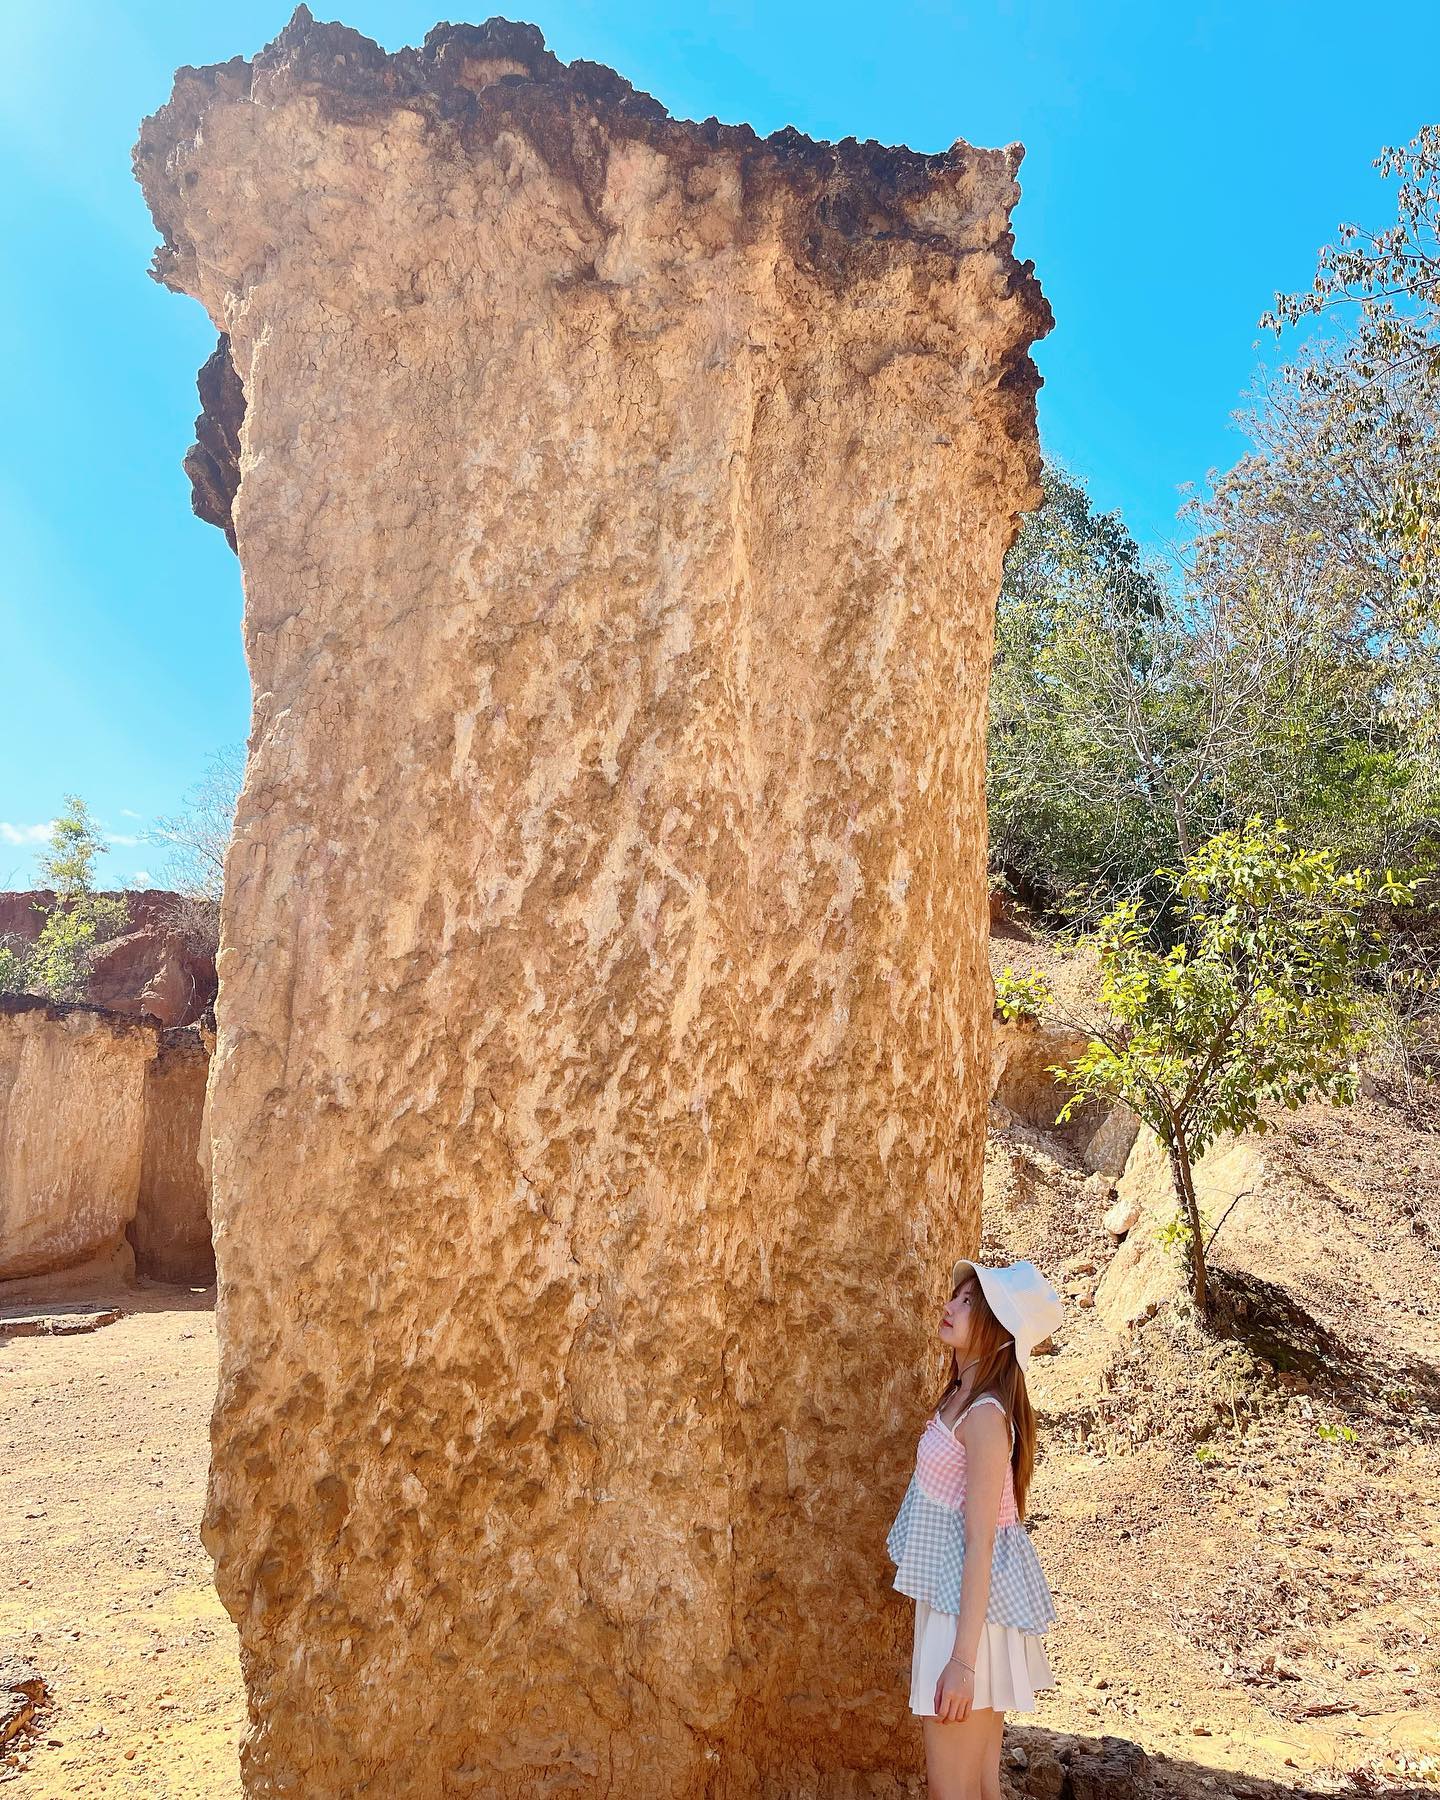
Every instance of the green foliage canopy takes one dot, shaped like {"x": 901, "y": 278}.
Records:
{"x": 79, "y": 920}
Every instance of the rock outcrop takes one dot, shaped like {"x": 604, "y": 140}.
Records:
{"x": 603, "y": 1034}
{"x": 1142, "y": 1274}
{"x": 170, "y": 1232}
{"x": 159, "y": 967}
{"x": 1023, "y": 1088}
{"x": 72, "y": 1130}
{"x": 154, "y": 973}
{"x": 100, "y": 1144}
{"x": 213, "y": 460}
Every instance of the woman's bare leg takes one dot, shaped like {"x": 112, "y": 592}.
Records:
{"x": 990, "y": 1782}
{"x": 962, "y": 1762}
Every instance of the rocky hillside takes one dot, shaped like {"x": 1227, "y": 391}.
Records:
{"x": 161, "y": 966}
{"x": 1241, "y": 1528}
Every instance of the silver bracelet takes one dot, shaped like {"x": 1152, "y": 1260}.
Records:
{"x": 964, "y": 1665}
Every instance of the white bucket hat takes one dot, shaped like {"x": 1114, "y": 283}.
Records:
{"x": 1020, "y": 1298}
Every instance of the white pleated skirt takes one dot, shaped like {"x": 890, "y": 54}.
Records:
{"x": 1011, "y": 1666}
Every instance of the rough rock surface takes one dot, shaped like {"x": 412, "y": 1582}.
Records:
{"x": 1023, "y": 1053}
{"x": 604, "y": 1023}
{"x": 155, "y": 974}
{"x": 72, "y": 1127}
{"x": 213, "y": 460}
{"x": 1142, "y": 1274}
{"x": 170, "y": 1232}
{"x": 101, "y": 1156}
{"x": 22, "y": 1692}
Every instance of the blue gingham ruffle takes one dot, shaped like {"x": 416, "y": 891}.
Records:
{"x": 927, "y": 1545}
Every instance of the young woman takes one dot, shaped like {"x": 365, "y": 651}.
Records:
{"x": 982, "y": 1602}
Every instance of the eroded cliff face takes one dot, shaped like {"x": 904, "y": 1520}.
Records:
{"x": 101, "y": 1152}
{"x": 604, "y": 1019}
{"x": 72, "y": 1127}
{"x": 170, "y": 1233}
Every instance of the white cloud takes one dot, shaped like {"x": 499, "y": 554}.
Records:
{"x": 25, "y": 834}
{"x": 119, "y": 837}
{"x": 143, "y": 876}
{"x": 125, "y": 813}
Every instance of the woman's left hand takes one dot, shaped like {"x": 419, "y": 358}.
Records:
{"x": 954, "y": 1693}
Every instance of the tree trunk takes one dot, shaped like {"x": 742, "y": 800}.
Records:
{"x": 1182, "y": 831}
{"x": 1184, "y": 1179}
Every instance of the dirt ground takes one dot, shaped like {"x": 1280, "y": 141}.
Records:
{"x": 1241, "y": 1533}
{"x": 106, "y": 1584}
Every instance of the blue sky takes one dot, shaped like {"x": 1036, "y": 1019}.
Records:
{"x": 1184, "y": 161}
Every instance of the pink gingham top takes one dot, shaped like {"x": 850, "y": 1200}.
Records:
{"x": 940, "y": 1464}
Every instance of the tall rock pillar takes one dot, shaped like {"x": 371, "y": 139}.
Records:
{"x": 604, "y": 1010}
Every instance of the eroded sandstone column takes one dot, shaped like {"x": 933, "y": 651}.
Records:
{"x": 603, "y": 1024}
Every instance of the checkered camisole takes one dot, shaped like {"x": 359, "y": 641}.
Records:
{"x": 927, "y": 1541}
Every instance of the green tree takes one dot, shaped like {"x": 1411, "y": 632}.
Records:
{"x": 1084, "y": 786}
{"x": 1292, "y": 665}
{"x": 1385, "y": 286}
{"x": 79, "y": 919}
{"x": 12, "y": 968}
{"x": 1290, "y": 552}
{"x": 1258, "y": 1004}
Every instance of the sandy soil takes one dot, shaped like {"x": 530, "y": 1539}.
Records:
{"x": 1243, "y": 1552}
{"x": 107, "y": 1586}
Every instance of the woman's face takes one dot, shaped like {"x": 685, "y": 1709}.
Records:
{"x": 955, "y": 1320}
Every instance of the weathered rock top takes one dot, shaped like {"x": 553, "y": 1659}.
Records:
{"x": 80, "y": 1012}
{"x": 847, "y": 201}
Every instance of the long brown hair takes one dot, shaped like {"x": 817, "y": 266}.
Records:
{"x": 997, "y": 1373}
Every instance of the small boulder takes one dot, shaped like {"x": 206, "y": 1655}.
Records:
{"x": 1113, "y": 1770}
{"x": 1044, "y": 1778}
{"x": 22, "y": 1691}
{"x": 1122, "y": 1217}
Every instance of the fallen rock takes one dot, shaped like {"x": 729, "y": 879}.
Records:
{"x": 1043, "y": 1777}
{"x": 22, "y": 1693}
{"x": 1122, "y": 1217}
{"x": 1116, "y": 1769}
{"x": 56, "y": 1321}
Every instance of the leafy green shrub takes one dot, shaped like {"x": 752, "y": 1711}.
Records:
{"x": 1258, "y": 1004}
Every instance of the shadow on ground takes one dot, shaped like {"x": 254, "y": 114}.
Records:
{"x": 1271, "y": 1322}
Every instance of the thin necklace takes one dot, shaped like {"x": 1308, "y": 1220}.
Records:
{"x": 960, "y": 1374}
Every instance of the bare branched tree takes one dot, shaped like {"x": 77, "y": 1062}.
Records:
{"x": 198, "y": 835}
{"x": 197, "y": 838}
